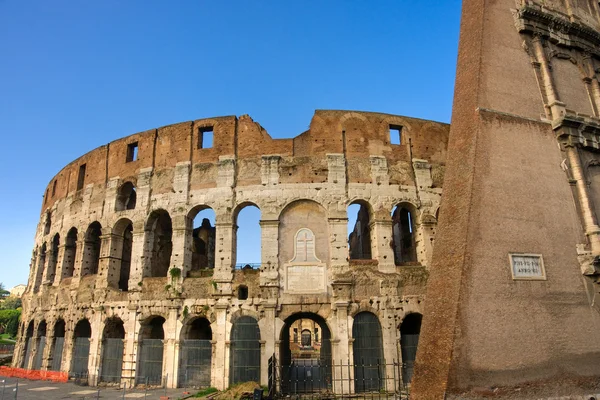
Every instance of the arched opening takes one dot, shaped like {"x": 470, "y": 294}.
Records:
{"x": 121, "y": 248}
{"x": 53, "y": 259}
{"x": 91, "y": 253}
{"x": 403, "y": 227}
{"x": 159, "y": 245}
{"x": 48, "y": 223}
{"x": 150, "y": 350}
{"x": 359, "y": 231}
{"x": 369, "y": 363}
{"x": 195, "y": 354}
{"x": 202, "y": 222}
{"x": 28, "y": 346}
{"x": 81, "y": 349}
{"x": 70, "y": 254}
{"x": 58, "y": 345}
{"x": 112, "y": 351}
{"x": 41, "y": 345}
{"x": 126, "y": 197}
{"x": 305, "y": 360}
{"x": 410, "y": 329}
{"x": 242, "y": 292}
{"x": 244, "y": 351}
{"x": 39, "y": 273}
{"x": 247, "y": 237}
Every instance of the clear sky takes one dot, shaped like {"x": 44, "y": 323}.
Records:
{"x": 77, "y": 75}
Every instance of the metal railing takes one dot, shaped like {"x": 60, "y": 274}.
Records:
{"x": 315, "y": 379}
{"x": 7, "y": 348}
{"x": 247, "y": 266}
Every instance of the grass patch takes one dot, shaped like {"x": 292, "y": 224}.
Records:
{"x": 206, "y": 392}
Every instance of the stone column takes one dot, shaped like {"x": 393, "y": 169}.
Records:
{"x": 338, "y": 239}
{"x": 59, "y": 265}
{"x": 131, "y": 326}
{"x": 138, "y": 257}
{"x": 592, "y": 230}
{"x": 170, "y": 347}
{"x": 557, "y": 108}
{"x": 79, "y": 254}
{"x": 68, "y": 347}
{"x": 181, "y": 257}
{"x": 40, "y": 266}
{"x": 381, "y": 234}
{"x": 48, "y": 349}
{"x": 268, "y": 334}
{"x": 95, "y": 346}
{"x": 220, "y": 329}
{"x": 342, "y": 348}
{"x": 223, "y": 274}
{"x": 269, "y": 269}
{"x": 108, "y": 264}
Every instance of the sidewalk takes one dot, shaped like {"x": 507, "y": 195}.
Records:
{"x": 43, "y": 390}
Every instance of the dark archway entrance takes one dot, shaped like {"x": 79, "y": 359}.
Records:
{"x": 195, "y": 354}
{"x": 81, "y": 349}
{"x": 305, "y": 354}
{"x": 28, "y": 346}
{"x": 59, "y": 343}
{"x": 244, "y": 361}
{"x": 151, "y": 351}
{"x": 112, "y": 351}
{"x": 409, "y": 340}
{"x": 369, "y": 365}
{"x": 41, "y": 346}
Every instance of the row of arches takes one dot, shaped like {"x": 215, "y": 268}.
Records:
{"x": 200, "y": 231}
{"x": 195, "y": 363}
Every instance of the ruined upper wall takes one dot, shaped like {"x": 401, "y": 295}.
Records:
{"x": 358, "y": 135}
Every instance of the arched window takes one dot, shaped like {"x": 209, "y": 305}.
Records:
{"x": 195, "y": 354}
{"x": 91, "y": 255}
{"x": 306, "y": 338}
{"x": 245, "y": 351}
{"x": 247, "y": 236}
{"x": 39, "y": 271}
{"x": 151, "y": 350}
{"x": 28, "y": 346}
{"x": 58, "y": 345}
{"x": 159, "y": 245}
{"x": 121, "y": 248}
{"x": 41, "y": 345}
{"x": 48, "y": 224}
{"x": 403, "y": 236}
{"x": 409, "y": 340}
{"x": 112, "y": 351}
{"x": 126, "y": 197}
{"x": 81, "y": 349}
{"x": 369, "y": 364}
{"x": 202, "y": 222}
{"x": 70, "y": 254}
{"x": 359, "y": 232}
{"x": 53, "y": 259}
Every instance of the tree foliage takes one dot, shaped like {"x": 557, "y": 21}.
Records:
{"x": 9, "y": 321}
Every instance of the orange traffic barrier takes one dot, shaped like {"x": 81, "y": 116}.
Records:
{"x": 54, "y": 376}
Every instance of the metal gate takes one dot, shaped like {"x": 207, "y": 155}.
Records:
{"x": 150, "y": 362}
{"x": 408, "y": 346}
{"x": 39, "y": 355}
{"x": 59, "y": 343}
{"x": 81, "y": 354}
{"x": 369, "y": 369}
{"x": 112, "y": 360}
{"x": 195, "y": 363}
{"x": 25, "y": 363}
{"x": 244, "y": 360}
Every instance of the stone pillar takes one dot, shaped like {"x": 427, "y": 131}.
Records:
{"x": 342, "y": 348}
{"x": 338, "y": 239}
{"x": 131, "y": 326}
{"x": 49, "y": 349}
{"x": 592, "y": 230}
{"x": 381, "y": 234}
{"x": 269, "y": 269}
{"x": 181, "y": 256}
{"x": 268, "y": 335}
{"x": 40, "y": 266}
{"x": 557, "y": 107}
{"x": 59, "y": 265}
{"x": 223, "y": 256}
{"x": 220, "y": 329}
{"x": 107, "y": 263}
{"x": 137, "y": 260}
{"x": 79, "y": 254}
{"x": 170, "y": 347}
{"x": 68, "y": 347}
{"x": 50, "y": 270}
{"x": 95, "y": 346}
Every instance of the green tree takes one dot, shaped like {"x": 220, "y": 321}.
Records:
{"x": 9, "y": 321}
{"x": 3, "y": 292}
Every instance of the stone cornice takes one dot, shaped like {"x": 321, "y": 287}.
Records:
{"x": 557, "y": 28}
{"x": 578, "y": 130}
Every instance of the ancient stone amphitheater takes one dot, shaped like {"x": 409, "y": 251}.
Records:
{"x": 128, "y": 285}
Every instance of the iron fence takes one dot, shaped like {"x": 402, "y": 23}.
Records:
{"x": 81, "y": 354}
{"x": 7, "y": 348}
{"x": 150, "y": 362}
{"x": 316, "y": 379}
{"x": 39, "y": 355}
{"x": 112, "y": 360}
{"x": 59, "y": 343}
{"x": 195, "y": 363}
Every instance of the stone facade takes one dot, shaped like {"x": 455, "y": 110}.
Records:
{"x": 117, "y": 255}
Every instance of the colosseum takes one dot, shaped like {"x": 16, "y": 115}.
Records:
{"x": 130, "y": 282}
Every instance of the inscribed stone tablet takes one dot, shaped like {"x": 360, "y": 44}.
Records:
{"x": 305, "y": 279}
{"x": 527, "y": 266}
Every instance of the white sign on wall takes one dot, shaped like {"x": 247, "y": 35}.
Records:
{"x": 527, "y": 266}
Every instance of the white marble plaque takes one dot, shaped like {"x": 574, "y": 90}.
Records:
{"x": 305, "y": 279}
{"x": 527, "y": 266}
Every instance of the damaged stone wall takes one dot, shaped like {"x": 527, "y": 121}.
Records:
{"x": 302, "y": 187}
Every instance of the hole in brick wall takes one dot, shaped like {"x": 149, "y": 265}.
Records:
{"x": 205, "y": 137}
{"x": 126, "y": 197}
{"x": 159, "y": 227}
{"x": 242, "y": 292}
{"x": 54, "y": 188}
{"x": 81, "y": 177}
{"x": 70, "y": 253}
{"x": 91, "y": 256}
{"x": 403, "y": 241}
{"x": 248, "y": 237}
{"x": 132, "y": 152}
{"x": 203, "y": 240}
{"x": 48, "y": 223}
{"x": 395, "y": 134}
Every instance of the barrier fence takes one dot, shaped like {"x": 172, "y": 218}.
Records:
{"x": 7, "y": 348}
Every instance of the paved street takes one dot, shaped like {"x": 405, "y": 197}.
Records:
{"x": 35, "y": 390}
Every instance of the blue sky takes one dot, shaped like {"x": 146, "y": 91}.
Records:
{"x": 77, "y": 75}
